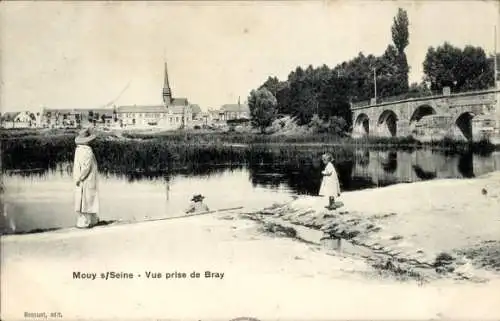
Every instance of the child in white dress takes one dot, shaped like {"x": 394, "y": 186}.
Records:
{"x": 330, "y": 186}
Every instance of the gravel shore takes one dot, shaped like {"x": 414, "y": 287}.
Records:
{"x": 267, "y": 272}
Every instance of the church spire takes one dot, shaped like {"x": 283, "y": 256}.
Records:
{"x": 167, "y": 93}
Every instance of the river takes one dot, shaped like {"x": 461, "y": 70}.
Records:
{"x": 41, "y": 199}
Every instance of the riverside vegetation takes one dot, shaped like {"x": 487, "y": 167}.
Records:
{"x": 184, "y": 150}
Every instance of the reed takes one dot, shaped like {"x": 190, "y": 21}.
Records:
{"x": 191, "y": 151}
{"x": 158, "y": 155}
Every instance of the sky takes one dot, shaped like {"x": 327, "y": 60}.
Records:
{"x": 84, "y": 54}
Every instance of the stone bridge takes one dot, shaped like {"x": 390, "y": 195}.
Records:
{"x": 458, "y": 114}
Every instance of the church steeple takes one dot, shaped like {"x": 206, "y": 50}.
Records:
{"x": 167, "y": 93}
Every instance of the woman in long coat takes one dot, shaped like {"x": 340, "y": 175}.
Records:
{"x": 85, "y": 178}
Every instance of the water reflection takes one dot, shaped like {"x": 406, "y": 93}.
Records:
{"x": 466, "y": 165}
{"x": 423, "y": 174}
{"x": 385, "y": 167}
{"x": 375, "y": 169}
{"x": 42, "y": 198}
{"x": 389, "y": 162}
{"x": 46, "y": 202}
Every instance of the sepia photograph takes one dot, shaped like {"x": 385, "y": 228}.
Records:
{"x": 250, "y": 160}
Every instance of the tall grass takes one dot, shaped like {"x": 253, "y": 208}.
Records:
{"x": 189, "y": 150}
{"x": 248, "y": 138}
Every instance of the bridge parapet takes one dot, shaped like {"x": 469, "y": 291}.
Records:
{"x": 389, "y": 101}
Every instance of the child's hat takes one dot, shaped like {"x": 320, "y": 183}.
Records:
{"x": 197, "y": 197}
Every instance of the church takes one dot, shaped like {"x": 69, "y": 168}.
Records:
{"x": 174, "y": 113}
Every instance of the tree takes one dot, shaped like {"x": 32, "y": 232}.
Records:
{"x": 400, "y": 34}
{"x": 272, "y": 84}
{"x": 280, "y": 90}
{"x": 419, "y": 90}
{"x": 461, "y": 70}
{"x": 327, "y": 92}
{"x": 263, "y": 108}
{"x": 400, "y": 38}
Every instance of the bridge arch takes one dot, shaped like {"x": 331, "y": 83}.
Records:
{"x": 388, "y": 122}
{"x": 420, "y": 112}
{"x": 464, "y": 124}
{"x": 362, "y": 124}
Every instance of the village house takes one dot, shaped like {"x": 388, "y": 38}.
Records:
{"x": 172, "y": 116}
{"x": 73, "y": 118}
{"x": 227, "y": 112}
{"x": 214, "y": 115}
{"x": 234, "y": 111}
{"x": 24, "y": 119}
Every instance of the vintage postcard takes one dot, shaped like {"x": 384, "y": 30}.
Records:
{"x": 250, "y": 160}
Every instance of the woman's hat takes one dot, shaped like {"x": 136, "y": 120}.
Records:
{"x": 197, "y": 197}
{"x": 84, "y": 137}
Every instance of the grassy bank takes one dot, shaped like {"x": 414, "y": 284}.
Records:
{"x": 195, "y": 137}
{"x": 28, "y": 149}
{"x": 164, "y": 155}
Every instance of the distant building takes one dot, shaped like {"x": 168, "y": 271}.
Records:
{"x": 73, "y": 118}
{"x": 8, "y": 119}
{"x": 171, "y": 117}
{"x": 215, "y": 115}
{"x": 24, "y": 119}
{"x": 234, "y": 111}
{"x": 174, "y": 113}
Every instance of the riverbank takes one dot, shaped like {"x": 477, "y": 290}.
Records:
{"x": 189, "y": 152}
{"x": 203, "y": 137}
{"x": 265, "y": 276}
{"x": 269, "y": 276}
{"x": 426, "y": 230}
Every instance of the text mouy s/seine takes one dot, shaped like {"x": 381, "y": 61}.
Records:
{"x": 147, "y": 275}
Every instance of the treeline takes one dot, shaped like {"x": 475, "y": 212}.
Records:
{"x": 327, "y": 92}
{"x": 460, "y": 69}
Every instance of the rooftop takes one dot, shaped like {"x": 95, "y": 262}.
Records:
{"x": 175, "y": 109}
{"x": 235, "y": 108}
{"x": 179, "y": 102}
{"x": 141, "y": 109}
{"x": 78, "y": 110}
{"x": 9, "y": 115}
